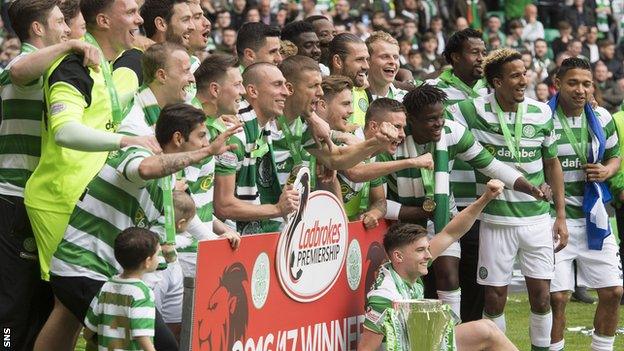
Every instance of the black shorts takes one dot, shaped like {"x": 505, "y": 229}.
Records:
{"x": 75, "y": 293}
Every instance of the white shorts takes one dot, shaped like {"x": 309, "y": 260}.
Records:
{"x": 500, "y": 244}
{"x": 594, "y": 269}
{"x": 168, "y": 287}
{"x": 188, "y": 262}
{"x": 453, "y": 251}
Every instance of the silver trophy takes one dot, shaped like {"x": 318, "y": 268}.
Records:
{"x": 420, "y": 325}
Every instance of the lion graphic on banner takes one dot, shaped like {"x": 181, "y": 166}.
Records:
{"x": 227, "y": 310}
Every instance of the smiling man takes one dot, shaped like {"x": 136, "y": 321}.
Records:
{"x": 410, "y": 253}
{"x": 519, "y": 132}
{"x": 464, "y": 51}
{"x": 83, "y": 107}
{"x": 168, "y": 20}
{"x": 384, "y": 65}
{"x": 302, "y": 34}
{"x": 348, "y": 56}
{"x": 577, "y": 125}
{"x": 415, "y": 195}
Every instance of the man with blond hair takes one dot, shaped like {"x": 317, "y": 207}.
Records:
{"x": 383, "y": 49}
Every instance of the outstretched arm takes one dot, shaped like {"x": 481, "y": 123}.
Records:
{"x": 369, "y": 171}
{"x": 461, "y": 223}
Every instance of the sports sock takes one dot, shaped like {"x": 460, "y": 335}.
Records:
{"x": 453, "y": 299}
{"x": 539, "y": 329}
{"x": 498, "y": 320}
{"x": 602, "y": 343}
{"x": 557, "y": 346}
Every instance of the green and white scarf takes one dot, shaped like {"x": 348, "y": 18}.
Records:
{"x": 441, "y": 193}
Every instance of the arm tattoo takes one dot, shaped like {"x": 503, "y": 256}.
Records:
{"x": 172, "y": 163}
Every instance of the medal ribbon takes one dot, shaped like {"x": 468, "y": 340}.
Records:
{"x": 293, "y": 141}
{"x": 105, "y": 66}
{"x": 513, "y": 143}
{"x": 427, "y": 176}
{"x": 407, "y": 292}
{"x": 580, "y": 148}
{"x": 166, "y": 184}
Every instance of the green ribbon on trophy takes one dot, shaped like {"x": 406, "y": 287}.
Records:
{"x": 166, "y": 185}
{"x": 512, "y": 142}
{"x": 428, "y": 180}
{"x": 580, "y": 148}
{"x": 417, "y": 324}
{"x": 107, "y": 72}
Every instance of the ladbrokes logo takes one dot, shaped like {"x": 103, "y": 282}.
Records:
{"x": 312, "y": 248}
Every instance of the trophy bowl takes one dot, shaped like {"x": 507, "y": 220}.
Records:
{"x": 425, "y": 324}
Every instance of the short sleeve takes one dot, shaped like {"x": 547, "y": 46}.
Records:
{"x": 376, "y": 313}
{"x": 142, "y": 316}
{"x": 229, "y": 162}
{"x": 549, "y": 145}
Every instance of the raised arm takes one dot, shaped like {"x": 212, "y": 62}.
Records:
{"x": 34, "y": 65}
{"x": 461, "y": 223}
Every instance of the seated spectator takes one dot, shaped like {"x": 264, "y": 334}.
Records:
{"x": 228, "y": 41}
{"x": 580, "y": 13}
{"x": 532, "y": 76}
{"x": 410, "y": 33}
{"x": 541, "y": 61}
{"x": 575, "y": 49}
{"x": 237, "y": 13}
{"x": 404, "y": 48}
{"x": 494, "y": 43}
{"x": 602, "y": 77}
{"x": 431, "y": 60}
{"x": 533, "y": 29}
{"x": 560, "y": 44}
{"x": 590, "y": 46}
{"x": 514, "y": 37}
{"x": 493, "y": 30}
{"x": 612, "y": 98}
{"x": 342, "y": 15}
{"x": 607, "y": 55}
{"x": 461, "y": 23}
{"x": 437, "y": 30}
{"x": 415, "y": 65}
{"x": 541, "y": 92}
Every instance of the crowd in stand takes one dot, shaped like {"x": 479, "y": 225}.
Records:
{"x": 133, "y": 129}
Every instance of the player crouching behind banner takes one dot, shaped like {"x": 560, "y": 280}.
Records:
{"x": 410, "y": 254}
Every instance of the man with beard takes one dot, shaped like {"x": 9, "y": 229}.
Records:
{"x": 516, "y": 225}
{"x": 425, "y": 198}
{"x": 580, "y": 128}
{"x": 384, "y": 66}
{"x": 348, "y": 56}
{"x": 456, "y": 275}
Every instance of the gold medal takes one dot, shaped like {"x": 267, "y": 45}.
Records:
{"x": 429, "y": 205}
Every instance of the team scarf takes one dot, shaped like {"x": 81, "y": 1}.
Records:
{"x": 441, "y": 214}
{"x": 596, "y": 194}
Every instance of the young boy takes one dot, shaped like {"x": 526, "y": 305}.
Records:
{"x": 122, "y": 314}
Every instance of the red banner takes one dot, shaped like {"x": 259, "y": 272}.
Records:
{"x": 240, "y": 304}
